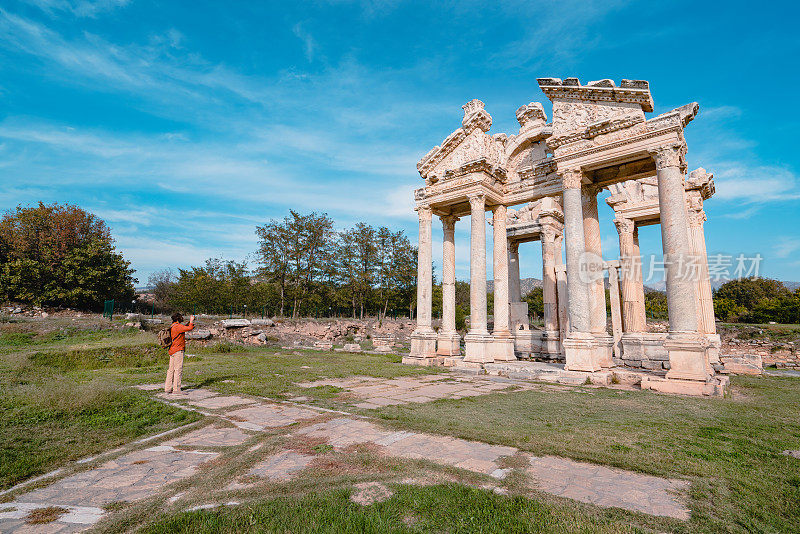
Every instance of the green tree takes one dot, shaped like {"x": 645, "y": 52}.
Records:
{"x": 60, "y": 255}
{"x": 535, "y": 300}
{"x": 655, "y": 305}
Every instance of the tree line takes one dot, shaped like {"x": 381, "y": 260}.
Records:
{"x": 60, "y": 255}
{"x": 303, "y": 267}
{"x": 757, "y": 300}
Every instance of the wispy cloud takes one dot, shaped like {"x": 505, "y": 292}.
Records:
{"x": 309, "y": 45}
{"x": 78, "y": 8}
{"x": 756, "y": 184}
{"x": 786, "y": 246}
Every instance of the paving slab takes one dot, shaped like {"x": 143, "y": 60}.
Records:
{"x": 263, "y": 416}
{"x": 605, "y": 486}
{"x": 224, "y": 401}
{"x": 281, "y": 466}
{"x": 375, "y": 392}
{"x": 131, "y": 477}
{"x": 210, "y": 436}
{"x": 584, "y": 482}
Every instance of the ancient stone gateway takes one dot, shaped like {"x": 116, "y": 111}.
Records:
{"x": 599, "y": 139}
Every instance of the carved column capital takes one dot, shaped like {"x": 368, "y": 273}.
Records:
{"x": 591, "y": 191}
{"x": 449, "y": 221}
{"x": 669, "y": 156}
{"x": 513, "y": 247}
{"x": 425, "y": 212}
{"x": 477, "y": 202}
{"x": 624, "y": 226}
{"x": 571, "y": 178}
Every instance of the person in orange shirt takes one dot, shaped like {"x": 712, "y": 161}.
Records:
{"x": 176, "y": 352}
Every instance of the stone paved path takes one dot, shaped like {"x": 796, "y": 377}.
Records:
{"x": 376, "y": 392}
{"x": 584, "y": 482}
{"x": 131, "y": 477}
{"x": 142, "y": 473}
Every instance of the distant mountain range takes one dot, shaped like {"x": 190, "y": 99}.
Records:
{"x": 527, "y": 284}
{"x": 715, "y": 284}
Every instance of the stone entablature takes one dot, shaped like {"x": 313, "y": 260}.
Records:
{"x": 599, "y": 138}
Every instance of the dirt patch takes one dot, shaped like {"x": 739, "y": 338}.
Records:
{"x": 367, "y": 493}
{"x": 49, "y": 514}
{"x": 309, "y": 446}
{"x": 517, "y": 461}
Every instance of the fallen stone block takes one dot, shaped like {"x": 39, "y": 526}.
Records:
{"x": 352, "y": 347}
{"x": 746, "y": 364}
{"x": 262, "y": 322}
{"x": 198, "y": 334}
{"x": 235, "y": 323}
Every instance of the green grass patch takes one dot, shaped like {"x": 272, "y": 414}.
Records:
{"x": 100, "y": 358}
{"x": 731, "y": 448}
{"x": 47, "y": 423}
{"x": 444, "y": 508}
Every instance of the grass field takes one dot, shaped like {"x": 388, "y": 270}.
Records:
{"x": 63, "y": 398}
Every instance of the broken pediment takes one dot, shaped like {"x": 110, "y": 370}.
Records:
{"x": 597, "y": 107}
{"x": 468, "y": 144}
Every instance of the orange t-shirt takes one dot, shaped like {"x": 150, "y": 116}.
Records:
{"x": 179, "y": 337}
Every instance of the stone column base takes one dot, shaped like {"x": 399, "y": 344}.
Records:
{"x": 448, "y": 344}
{"x": 605, "y": 350}
{"x": 526, "y": 343}
{"x": 477, "y": 347}
{"x": 713, "y": 349}
{"x": 502, "y": 348}
{"x": 645, "y": 349}
{"x": 581, "y": 352}
{"x": 713, "y": 387}
{"x": 551, "y": 345}
{"x": 519, "y": 316}
{"x": 423, "y": 346}
{"x": 688, "y": 359}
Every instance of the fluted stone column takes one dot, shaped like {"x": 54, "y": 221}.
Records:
{"x": 549, "y": 279}
{"x": 616, "y": 309}
{"x": 477, "y": 340}
{"x": 551, "y": 338}
{"x": 687, "y": 348}
{"x": 448, "y": 341}
{"x": 503, "y": 346}
{"x": 633, "y": 319}
{"x": 561, "y": 292}
{"x": 423, "y": 339}
{"x": 580, "y": 346}
{"x": 705, "y": 311}
{"x": 597, "y": 293}
{"x": 514, "y": 286}
{"x": 639, "y": 287}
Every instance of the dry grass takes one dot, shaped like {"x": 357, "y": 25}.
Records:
{"x": 48, "y": 514}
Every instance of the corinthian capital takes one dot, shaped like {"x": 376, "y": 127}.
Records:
{"x": 668, "y": 156}
{"x": 449, "y": 221}
{"x": 624, "y": 226}
{"x": 571, "y": 178}
{"x": 425, "y": 213}
{"x": 477, "y": 202}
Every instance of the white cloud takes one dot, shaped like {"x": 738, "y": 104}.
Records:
{"x": 79, "y": 8}
{"x": 786, "y": 246}
{"x": 755, "y": 184}
{"x": 309, "y": 45}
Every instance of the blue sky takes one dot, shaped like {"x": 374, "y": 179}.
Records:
{"x": 185, "y": 124}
